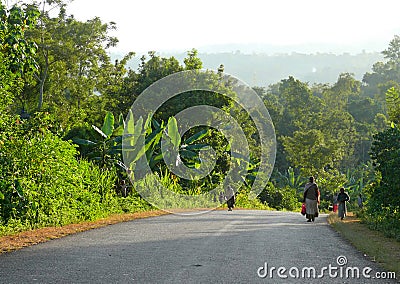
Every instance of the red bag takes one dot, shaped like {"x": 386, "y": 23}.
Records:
{"x": 303, "y": 209}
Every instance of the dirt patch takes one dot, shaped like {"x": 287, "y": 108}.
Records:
{"x": 28, "y": 238}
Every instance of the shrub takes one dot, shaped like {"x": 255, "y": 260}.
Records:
{"x": 243, "y": 201}
{"x": 42, "y": 183}
{"x": 280, "y": 198}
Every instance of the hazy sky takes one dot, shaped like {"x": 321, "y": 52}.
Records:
{"x": 183, "y": 24}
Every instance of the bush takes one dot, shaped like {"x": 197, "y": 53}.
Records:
{"x": 42, "y": 183}
{"x": 243, "y": 201}
{"x": 383, "y": 195}
{"x": 388, "y": 225}
{"x": 280, "y": 198}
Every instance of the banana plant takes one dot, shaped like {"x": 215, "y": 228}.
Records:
{"x": 185, "y": 151}
{"x": 356, "y": 184}
{"x": 141, "y": 139}
{"x": 106, "y": 151}
{"x": 290, "y": 179}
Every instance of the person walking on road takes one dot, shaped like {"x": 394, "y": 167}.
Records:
{"x": 230, "y": 198}
{"x": 311, "y": 199}
{"x": 342, "y": 198}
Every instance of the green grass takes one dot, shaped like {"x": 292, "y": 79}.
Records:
{"x": 385, "y": 251}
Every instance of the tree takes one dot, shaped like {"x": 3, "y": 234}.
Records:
{"x": 392, "y": 53}
{"x": 385, "y": 152}
{"x": 393, "y": 105}
{"x": 193, "y": 62}
{"x": 385, "y": 74}
{"x": 384, "y": 194}
{"x": 309, "y": 150}
{"x": 338, "y": 123}
{"x": 16, "y": 51}
{"x": 71, "y": 57}
{"x": 322, "y": 134}
{"x": 154, "y": 69}
{"x": 345, "y": 89}
{"x": 115, "y": 81}
{"x": 299, "y": 103}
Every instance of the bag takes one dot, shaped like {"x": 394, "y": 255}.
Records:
{"x": 303, "y": 209}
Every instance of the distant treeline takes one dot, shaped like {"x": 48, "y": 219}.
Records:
{"x": 262, "y": 69}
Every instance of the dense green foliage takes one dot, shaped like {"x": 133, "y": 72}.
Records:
{"x": 59, "y": 89}
{"x": 17, "y": 52}
{"x": 43, "y": 183}
{"x": 384, "y": 195}
{"x": 383, "y": 210}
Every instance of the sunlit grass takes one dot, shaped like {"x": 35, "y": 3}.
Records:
{"x": 374, "y": 244}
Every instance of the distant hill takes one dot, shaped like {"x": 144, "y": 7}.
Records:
{"x": 261, "y": 69}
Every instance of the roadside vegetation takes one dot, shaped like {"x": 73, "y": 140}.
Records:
{"x": 64, "y": 105}
{"x": 374, "y": 244}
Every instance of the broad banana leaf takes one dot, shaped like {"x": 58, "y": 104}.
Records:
{"x": 108, "y": 125}
{"x": 130, "y": 125}
{"x": 147, "y": 124}
{"x": 173, "y": 132}
{"x": 119, "y": 131}
{"x": 197, "y": 136}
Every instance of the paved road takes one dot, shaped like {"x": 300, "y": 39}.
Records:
{"x": 218, "y": 247}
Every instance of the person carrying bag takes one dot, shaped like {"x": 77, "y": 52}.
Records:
{"x": 311, "y": 199}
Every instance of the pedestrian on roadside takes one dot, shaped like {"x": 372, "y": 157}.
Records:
{"x": 124, "y": 188}
{"x": 335, "y": 203}
{"x": 311, "y": 198}
{"x": 221, "y": 197}
{"x": 342, "y": 198}
{"x": 230, "y": 197}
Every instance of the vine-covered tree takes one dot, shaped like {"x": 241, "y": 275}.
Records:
{"x": 17, "y": 53}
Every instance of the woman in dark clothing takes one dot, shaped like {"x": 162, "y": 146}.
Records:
{"x": 311, "y": 198}
{"x": 342, "y": 198}
{"x": 230, "y": 198}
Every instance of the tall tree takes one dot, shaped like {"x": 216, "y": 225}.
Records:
{"x": 393, "y": 103}
{"x": 385, "y": 194}
{"x": 345, "y": 89}
{"x": 192, "y": 61}
{"x": 17, "y": 62}
{"x": 298, "y": 101}
{"x": 71, "y": 56}
{"x": 153, "y": 69}
{"x": 386, "y": 74}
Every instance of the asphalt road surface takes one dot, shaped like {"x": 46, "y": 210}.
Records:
{"x": 217, "y": 247}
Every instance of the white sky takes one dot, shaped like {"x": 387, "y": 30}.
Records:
{"x": 180, "y": 25}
